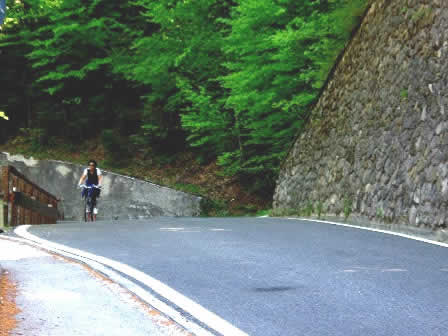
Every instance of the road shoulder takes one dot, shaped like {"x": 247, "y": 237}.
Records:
{"x": 53, "y": 295}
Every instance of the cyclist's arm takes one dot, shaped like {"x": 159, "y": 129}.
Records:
{"x": 100, "y": 176}
{"x": 82, "y": 179}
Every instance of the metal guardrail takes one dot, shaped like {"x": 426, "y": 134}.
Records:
{"x": 24, "y": 202}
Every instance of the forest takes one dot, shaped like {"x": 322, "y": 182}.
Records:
{"x": 231, "y": 81}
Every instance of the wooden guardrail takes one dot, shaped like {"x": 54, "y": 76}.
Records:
{"x": 24, "y": 202}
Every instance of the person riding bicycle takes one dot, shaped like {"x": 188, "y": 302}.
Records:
{"x": 92, "y": 176}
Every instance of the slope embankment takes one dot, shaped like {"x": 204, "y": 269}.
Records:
{"x": 376, "y": 146}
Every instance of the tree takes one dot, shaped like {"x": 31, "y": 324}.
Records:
{"x": 280, "y": 55}
{"x": 231, "y": 78}
{"x": 177, "y": 59}
{"x": 69, "y": 46}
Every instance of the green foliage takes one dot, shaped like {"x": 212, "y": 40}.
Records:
{"x": 404, "y": 94}
{"x": 280, "y": 54}
{"x": 233, "y": 79}
{"x": 319, "y": 209}
{"x": 308, "y": 209}
{"x": 262, "y": 213}
{"x": 380, "y": 213}
{"x": 213, "y": 208}
{"x": 284, "y": 212}
{"x": 117, "y": 151}
{"x": 189, "y": 188}
{"x": 65, "y": 49}
{"x": 208, "y": 123}
{"x": 178, "y": 59}
{"x": 422, "y": 12}
{"x": 36, "y": 137}
{"x": 347, "y": 207}
{"x": 219, "y": 208}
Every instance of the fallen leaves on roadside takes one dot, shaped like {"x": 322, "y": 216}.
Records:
{"x": 8, "y": 309}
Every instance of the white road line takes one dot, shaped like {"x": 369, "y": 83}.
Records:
{"x": 208, "y": 318}
{"x": 375, "y": 230}
{"x": 171, "y": 229}
{"x": 193, "y": 229}
{"x": 127, "y": 284}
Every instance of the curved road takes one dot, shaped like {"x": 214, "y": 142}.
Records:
{"x": 284, "y": 277}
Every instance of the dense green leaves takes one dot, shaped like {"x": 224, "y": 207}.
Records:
{"x": 280, "y": 53}
{"x": 230, "y": 78}
{"x": 68, "y": 48}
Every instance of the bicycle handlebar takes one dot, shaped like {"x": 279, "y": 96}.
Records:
{"x": 90, "y": 186}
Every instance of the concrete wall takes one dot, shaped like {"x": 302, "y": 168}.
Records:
{"x": 377, "y": 141}
{"x": 121, "y": 197}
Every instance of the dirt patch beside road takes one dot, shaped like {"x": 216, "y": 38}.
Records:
{"x": 8, "y": 309}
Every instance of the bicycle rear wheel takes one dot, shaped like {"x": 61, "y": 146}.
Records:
{"x": 91, "y": 205}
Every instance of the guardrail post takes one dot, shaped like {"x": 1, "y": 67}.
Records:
{"x": 14, "y": 208}
{"x": 54, "y": 204}
{"x": 33, "y": 213}
{"x": 5, "y": 188}
{"x": 21, "y": 188}
{"x": 38, "y": 215}
{"x": 2, "y": 216}
{"x": 45, "y": 201}
{"x": 27, "y": 192}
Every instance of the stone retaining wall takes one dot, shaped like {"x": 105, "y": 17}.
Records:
{"x": 377, "y": 142}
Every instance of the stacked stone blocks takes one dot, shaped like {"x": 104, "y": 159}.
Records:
{"x": 378, "y": 136}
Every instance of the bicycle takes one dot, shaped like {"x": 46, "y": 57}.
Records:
{"x": 89, "y": 201}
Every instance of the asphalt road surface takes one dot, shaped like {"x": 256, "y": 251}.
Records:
{"x": 270, "y": 276}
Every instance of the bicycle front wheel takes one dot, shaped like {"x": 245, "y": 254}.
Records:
{"x": 85, "y": 209}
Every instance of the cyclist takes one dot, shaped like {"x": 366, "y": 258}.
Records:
{"x": 92, "y": 176}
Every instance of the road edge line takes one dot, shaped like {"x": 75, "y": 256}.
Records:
{"x": 403, "y": 235}
{"x": 121, "y": 281}
{"x": 209, "y": 318}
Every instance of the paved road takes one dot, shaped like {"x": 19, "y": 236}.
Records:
{"x": 282, "y": 277}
